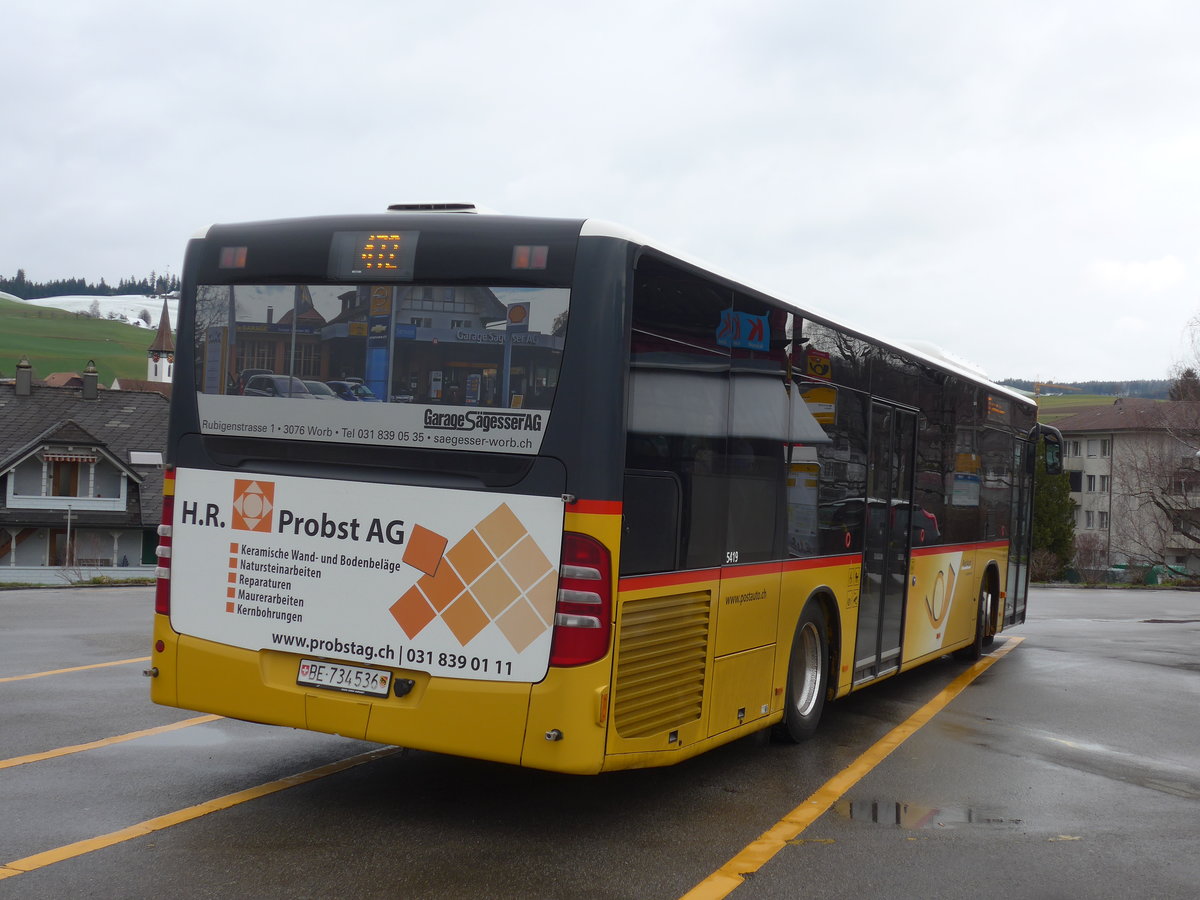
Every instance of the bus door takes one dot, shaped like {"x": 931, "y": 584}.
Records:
{"x": 887, "y": 530}
{"x": 1019, "y": 549}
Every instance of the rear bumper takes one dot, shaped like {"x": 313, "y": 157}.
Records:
{"x": 499, "y": 721}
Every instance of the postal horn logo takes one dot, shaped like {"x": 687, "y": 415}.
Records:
{"x": 253, "y": 505}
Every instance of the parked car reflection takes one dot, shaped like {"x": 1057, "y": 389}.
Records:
{"x": 243, "y": 379}
{"x": 353, "y": 390}
{"x": 320, "y": 390}
{"x": 276, "y": 386}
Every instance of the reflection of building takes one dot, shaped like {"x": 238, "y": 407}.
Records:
{"x": 441, "y": 348}
{"x": 80, "y": 479}
{"x": 429, "y": 344}
{"x": 290, "y": 345}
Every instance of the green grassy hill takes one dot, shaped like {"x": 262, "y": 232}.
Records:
{"x": 60, "y": 341}
{"x": 1060, "y": 406}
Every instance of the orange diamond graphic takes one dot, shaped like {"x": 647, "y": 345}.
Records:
{"x": 501, "y": 529}
{"x": 425, "y": 550}
{"x": 412, "y": 612}
{"x": 521, "y": 626}
{"x": 465, "y": 618}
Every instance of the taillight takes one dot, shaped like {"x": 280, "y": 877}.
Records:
{"x": 583, "y": 614}
{"x": 162, "y": 588}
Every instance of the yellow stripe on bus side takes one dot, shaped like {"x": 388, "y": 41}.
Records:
{"x": 118, "y": 662}
{"x": 726, "y": 879}
{"x": 80, "y": 848}
{"x": 104, "y": 742}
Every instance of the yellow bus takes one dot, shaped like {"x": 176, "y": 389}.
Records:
{"x": 542, "y": 492}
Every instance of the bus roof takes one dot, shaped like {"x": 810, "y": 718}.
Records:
{"x": 924, "y": 351}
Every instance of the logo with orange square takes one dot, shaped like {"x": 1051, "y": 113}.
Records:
{"x": 253, "y": 505}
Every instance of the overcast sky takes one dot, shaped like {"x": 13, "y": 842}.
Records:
{"x": 1018, "y": 182}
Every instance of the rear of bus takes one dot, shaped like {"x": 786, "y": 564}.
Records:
{"x": 435, "y": 569}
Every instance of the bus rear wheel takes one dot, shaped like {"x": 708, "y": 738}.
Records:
{"x": 808, "y": 677}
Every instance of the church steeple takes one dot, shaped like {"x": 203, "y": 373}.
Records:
{"x": 160, "y": 357}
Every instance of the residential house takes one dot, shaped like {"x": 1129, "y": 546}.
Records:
{"x": 80, "y": 479}
{"x": 1135, "y": 479}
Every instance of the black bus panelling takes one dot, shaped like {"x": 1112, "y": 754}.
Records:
{"x": 587, "y": 424}
{"x": 531, "y": 475}
{"x": 452, "y": 248}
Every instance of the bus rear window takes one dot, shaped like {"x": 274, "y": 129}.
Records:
{"x": 449, "y": 367}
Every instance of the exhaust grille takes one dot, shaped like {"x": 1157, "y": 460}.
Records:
{"x": 663, "y": 645}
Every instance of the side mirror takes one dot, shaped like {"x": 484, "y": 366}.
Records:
{"x": 1053, "y": 444}
{"x": 1054, "y": 465}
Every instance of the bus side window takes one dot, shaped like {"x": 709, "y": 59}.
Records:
{"x": 650, "y": 527}
{"x": 677, "y": 421}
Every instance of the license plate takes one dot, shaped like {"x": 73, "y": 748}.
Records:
{"x": 338, "y": 677}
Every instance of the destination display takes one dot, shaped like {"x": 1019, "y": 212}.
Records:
{"x": 361, "y": 255}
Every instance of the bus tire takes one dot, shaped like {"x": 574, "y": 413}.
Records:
{"x": 807, "y": 678}
{"x": 974, "y": 650}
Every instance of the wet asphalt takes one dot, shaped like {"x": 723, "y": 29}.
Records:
{"x": 1069, "y": 768}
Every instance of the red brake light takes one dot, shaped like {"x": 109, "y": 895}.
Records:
{"x": 233, "y": 258}
{"x": 526, "y": 256}
{"x": 162, "y": 588}
{"x": 583, "y": 614}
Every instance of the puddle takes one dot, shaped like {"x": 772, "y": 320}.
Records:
{"x": 913, "y": 816}
{"x": 1170, "y": 621}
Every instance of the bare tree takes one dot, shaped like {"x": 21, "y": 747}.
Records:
{"x": 1185, "y": 382}
{"x": 1156, "y": 484}
{"x": 1185, "y": 385}
{"x": 1091, "y": 557}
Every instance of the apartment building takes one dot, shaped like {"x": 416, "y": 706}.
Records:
{"x": 1135, "y": 479}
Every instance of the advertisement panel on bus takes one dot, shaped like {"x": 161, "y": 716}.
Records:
{"x": 453, "y": 583}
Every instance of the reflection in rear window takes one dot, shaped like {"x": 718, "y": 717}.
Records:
{"x": 414, "y": 365}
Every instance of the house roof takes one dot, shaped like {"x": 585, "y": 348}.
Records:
{"x": 1135, "y": 414}
{"x": 141, "y": 384}
{"x": 66, "y": 441}
{"x": 64, "y": 379}
{"x": 120, "y": 421}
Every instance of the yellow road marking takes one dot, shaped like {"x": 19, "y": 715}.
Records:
{"x": 750, "y": 859}
{"x": 149, "y": 826}
{"x": 119, "y": 662}
{"x": 104, "y": 742}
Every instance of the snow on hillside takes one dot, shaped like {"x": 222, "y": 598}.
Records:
{"x": 125, "y": 307}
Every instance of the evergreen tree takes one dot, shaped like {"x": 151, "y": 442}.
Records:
{"x": 21, "y": 286}
{"x": 1053, "y": 511}
{"x": 1186, "y": 386}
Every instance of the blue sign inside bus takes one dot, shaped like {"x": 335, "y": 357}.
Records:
{"x": 744, "y": 331}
